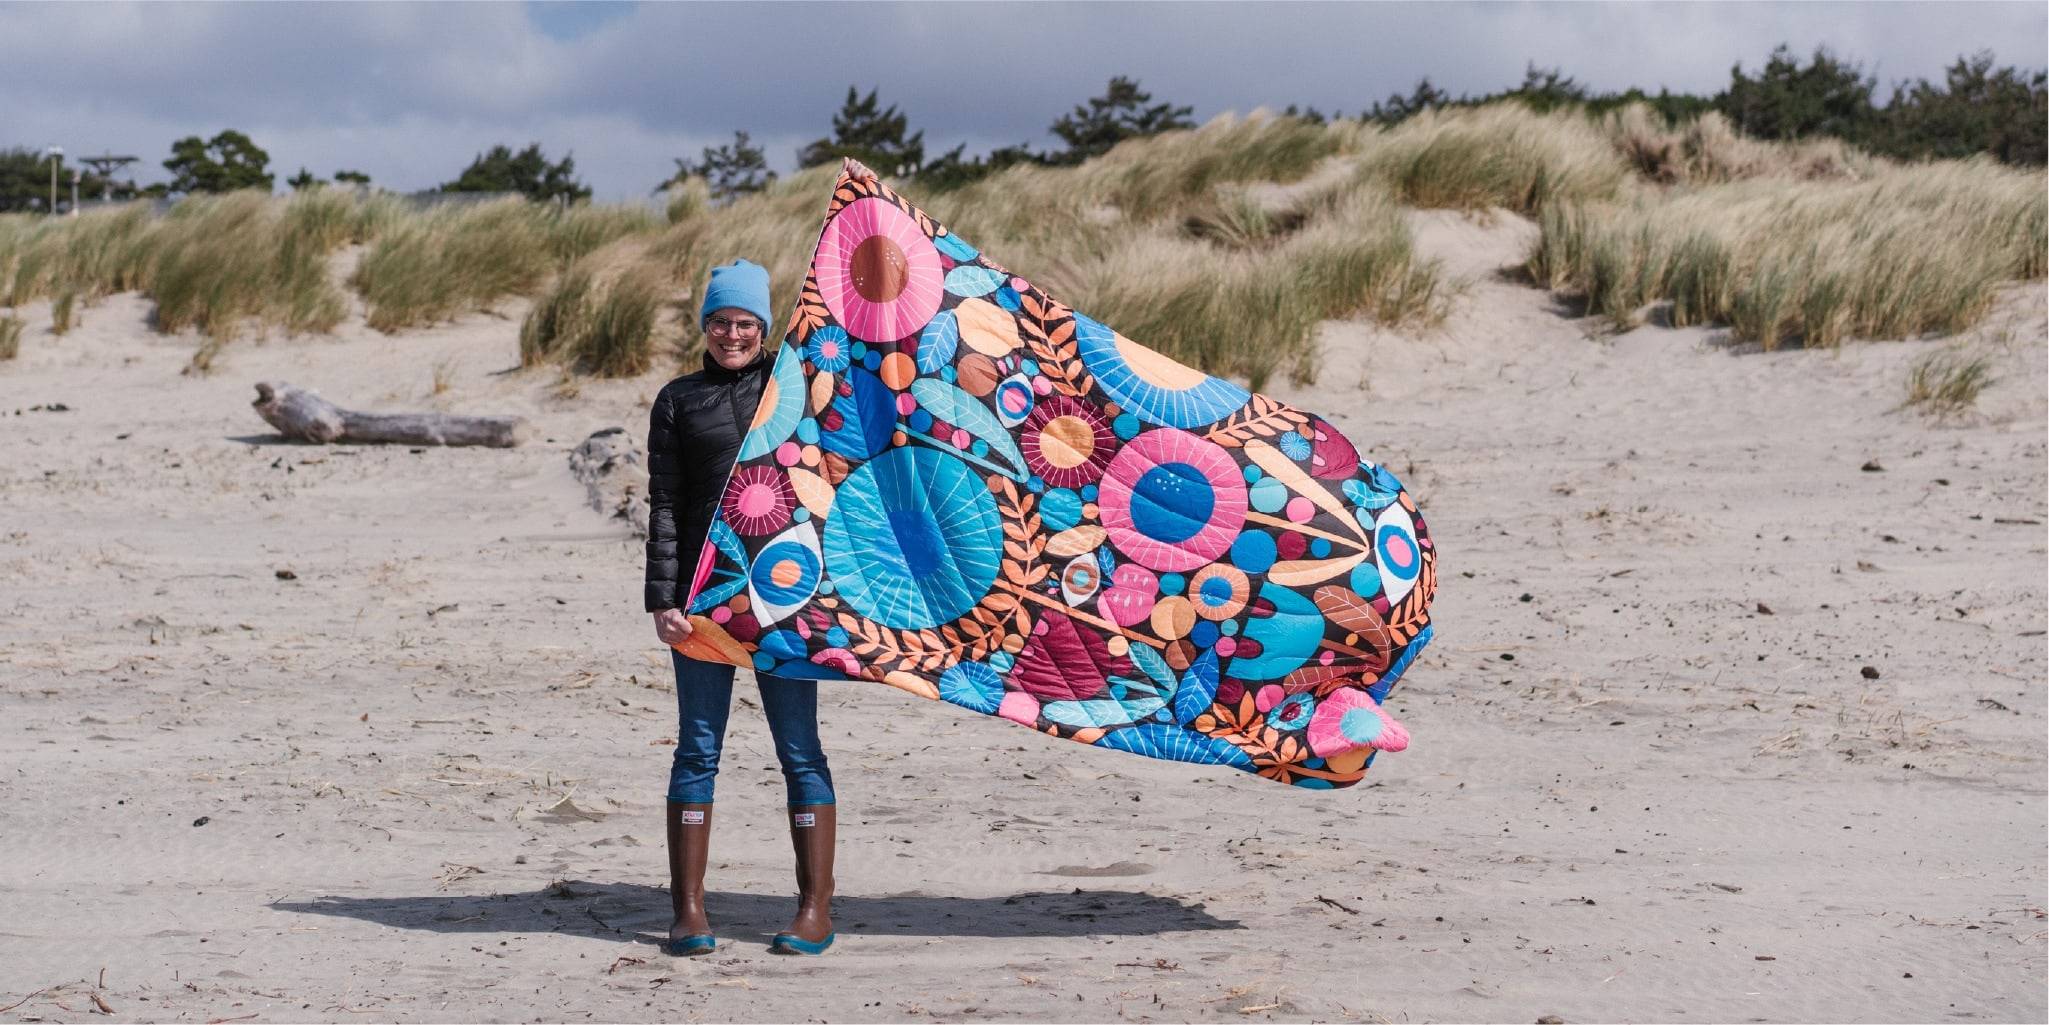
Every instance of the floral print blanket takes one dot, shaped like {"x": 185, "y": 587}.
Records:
{"x": 958, "y": 486}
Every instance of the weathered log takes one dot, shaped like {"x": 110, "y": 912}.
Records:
{"x": 304, "y": 416}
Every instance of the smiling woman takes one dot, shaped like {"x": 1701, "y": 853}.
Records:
{"x": 700, "y": 425}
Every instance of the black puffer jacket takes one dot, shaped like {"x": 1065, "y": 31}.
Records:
{"x": 693, "y": 437}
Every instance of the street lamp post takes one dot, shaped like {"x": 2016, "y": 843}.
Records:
{"x": 55, "y": 153}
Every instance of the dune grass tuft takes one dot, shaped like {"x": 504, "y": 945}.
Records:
{"x": 1708, "y": 149}
{"x": 221, "y": 261}
{"x": 1496, "y": 156}
{"x": 1947, "y": 381}
{"x": 687, "y": 199}
{"x": 602, "y": 316}
{"x": 64, "y": 313}
{"x": 10, "y": 337}
{"x": 1909, "y": 251}
{"x": 1252, "y": 313}
{"x": 434, "y": 266}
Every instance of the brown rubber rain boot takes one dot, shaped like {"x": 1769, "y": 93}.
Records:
{"x": 813, "y": 830}
{"x": 689, "y": 847}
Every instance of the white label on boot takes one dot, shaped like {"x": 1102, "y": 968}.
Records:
{"x": 693, "y": 818}
{"x": 803, "y": 819}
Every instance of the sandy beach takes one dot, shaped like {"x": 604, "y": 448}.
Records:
{"x": 1736, "y": 712}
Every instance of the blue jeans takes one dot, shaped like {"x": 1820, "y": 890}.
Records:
{"x": 704, "y": 695}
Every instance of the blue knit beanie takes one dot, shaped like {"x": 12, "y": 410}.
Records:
{"x": 741, "y": 285}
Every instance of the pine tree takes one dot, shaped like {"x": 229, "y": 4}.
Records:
{"x": 865, "y": 130}
{"x": 1124, "y": 111}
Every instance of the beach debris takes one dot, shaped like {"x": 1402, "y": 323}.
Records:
{"x": 1158, "y": 964}
{"x": 613, "y": 469}
{"x": 624, "y": 962}
{"x": 285, "y": 574}
{"x": 566, "y": 810}
{"x": 26, "y": 999}
{"x": 303, "y": 415}
{"x": 1550, "y": 1019}
{"x": 202, "y": 820}
{"x": 1335, "y": 904}
{"x": 1765, "y": 610}
{"x": 452, "y": 873}
{"x": 1871, "y": 466}
{"x": 1868, "y": 672}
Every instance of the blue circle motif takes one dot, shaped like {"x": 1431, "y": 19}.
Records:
{"x": 972, "y": 685}
{"x": 828, "y": 337}
{"x": 1361, "y": 726}
{"x": 1404, "y": 568}
{"x": 914, "y": 538}
{"x": 1253, "y": 552}
{"x": 1268, "y": 496}
{"x": 1203, "y": 403}
{"x": 1172, "y": 503}
{"x": 1295, "y": 712}
{"x": 762, "y": 573}
{"x": 1060, "y": 509}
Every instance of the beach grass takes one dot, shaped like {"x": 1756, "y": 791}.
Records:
{"x": 216, "y": 263}
{"x": 1905, "y": 252}
{"x": 458, "y": 258}
{"x": 10, "y": 337}
{"x": 1947, "y": 381}
{"x": 1501, "y": 155}
{"x": 1223, "y": 246}
{"x": 603, "y": 315}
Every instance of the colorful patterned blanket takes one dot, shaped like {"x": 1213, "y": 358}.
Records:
{"x": 960, "y": 487}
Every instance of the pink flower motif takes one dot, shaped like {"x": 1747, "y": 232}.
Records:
{"x": 877, "y": 272}
{"x": 1130, "y": 597}
{"x": 1349, "y": 719}
{"x": 840, "y": 659}
{"x": 757, "y": 501}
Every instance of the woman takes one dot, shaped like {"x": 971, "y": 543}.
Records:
{"x": 694, "y": 436}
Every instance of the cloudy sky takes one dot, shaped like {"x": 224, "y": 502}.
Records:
{"x": 410, "y": 92}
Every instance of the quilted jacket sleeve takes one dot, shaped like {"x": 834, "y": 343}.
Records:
{"x": 665, "y": 588}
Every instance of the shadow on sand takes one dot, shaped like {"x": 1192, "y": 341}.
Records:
{"x": 617, "y": 910}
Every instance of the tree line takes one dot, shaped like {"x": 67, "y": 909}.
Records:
{"x": 1976, "y": 108}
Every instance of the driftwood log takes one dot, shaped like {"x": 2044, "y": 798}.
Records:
{"x": 303, "y": 415}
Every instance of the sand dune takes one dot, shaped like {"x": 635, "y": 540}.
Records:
{"x": 1653, "y": 777}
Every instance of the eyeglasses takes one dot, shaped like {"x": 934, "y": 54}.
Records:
{"x": 736, "y": 328}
